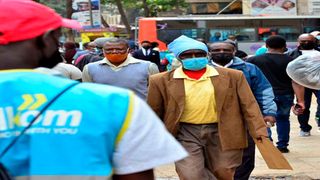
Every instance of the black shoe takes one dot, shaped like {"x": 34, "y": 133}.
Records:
{"x": 283, "y": 150}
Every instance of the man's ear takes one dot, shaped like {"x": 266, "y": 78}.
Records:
{"x": 48, "y": 43}
{"x": 234, "y": 51}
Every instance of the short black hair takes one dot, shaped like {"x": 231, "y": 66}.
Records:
{"x": 154, "y": 44}
{"x": 145, "y": 41}
{"x": 229, "y": 41}
{"x": 276, "y": 42}
{"x": 224, "y": 42}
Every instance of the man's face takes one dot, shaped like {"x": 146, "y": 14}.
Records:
{"x": 288, "y": 5}
{"x": 307, "y": 42}
{"x": 50, "y": 54}
{"x": 221, "y": 48}
{"x": 146, "y": 45}
{"x": 116, "y": 53}
{"x": 194, "y": 59}
{"x": 222, "y": 53}
{"x": 194, "y": 53}
{"x": 84, "y": 6}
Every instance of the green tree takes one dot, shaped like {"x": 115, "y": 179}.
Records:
{"x": 156, "y": 6}
{"x": 60, "y": 6}
{"x": 152, "y": 7}
{"x": 123, "y": 16}
{"x": 149, "y": 7}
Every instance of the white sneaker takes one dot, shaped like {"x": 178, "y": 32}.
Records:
{"x": 305, "y": 134}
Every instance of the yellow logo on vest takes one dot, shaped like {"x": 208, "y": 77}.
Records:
{"x": 32, "y": 102}
{"x": 56, "y": 121}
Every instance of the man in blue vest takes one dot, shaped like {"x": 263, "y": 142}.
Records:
{"x": 68, "y": 130}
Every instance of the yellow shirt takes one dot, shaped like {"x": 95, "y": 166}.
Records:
{"x": 200, "y": 103}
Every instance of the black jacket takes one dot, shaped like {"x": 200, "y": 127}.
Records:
{"x": 294, "y": 53}
{"x": 152, "y": 57}
{"x": 297, "y": 52}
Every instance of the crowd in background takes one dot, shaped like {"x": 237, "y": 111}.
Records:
{"x": 265, "y": 72}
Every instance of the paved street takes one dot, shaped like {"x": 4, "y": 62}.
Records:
{"x": 304, "y": 157}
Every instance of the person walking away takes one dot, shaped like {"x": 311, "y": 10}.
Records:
{"x": 273, "y": 64}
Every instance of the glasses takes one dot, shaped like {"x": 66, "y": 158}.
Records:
{"x": 115, "y": 51}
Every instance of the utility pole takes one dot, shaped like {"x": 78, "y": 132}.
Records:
{"x": 90, "y": 13}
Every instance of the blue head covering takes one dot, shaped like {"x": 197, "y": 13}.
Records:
{"x": 184, "y": 43}
{"x": 261, "y": 50}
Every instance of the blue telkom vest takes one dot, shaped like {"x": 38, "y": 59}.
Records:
{"x": 75, "y": 136}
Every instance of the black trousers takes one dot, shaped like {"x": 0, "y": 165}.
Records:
{"x": 244, "y": 170}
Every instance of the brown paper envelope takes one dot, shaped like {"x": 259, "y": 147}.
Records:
{"x": 271, "y": 155}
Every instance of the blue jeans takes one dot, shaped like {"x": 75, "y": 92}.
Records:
{"x": 284, "y": 103}
{"x": 304, "y": 118}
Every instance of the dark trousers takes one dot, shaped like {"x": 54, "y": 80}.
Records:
{"x": 244, "y": 170}
{"x": 284, "y": 103}
{"x": 304, "y": 118}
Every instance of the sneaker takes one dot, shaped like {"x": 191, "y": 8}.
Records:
{"x": 283, "y": 150}
{"x": 304, "y": 134}
{"x": 318, "y": 121}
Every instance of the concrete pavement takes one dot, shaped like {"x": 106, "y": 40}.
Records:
{"x": 304, "y": 156}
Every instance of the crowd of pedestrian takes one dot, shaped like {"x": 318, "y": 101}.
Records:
{"x": 126, "y": 111}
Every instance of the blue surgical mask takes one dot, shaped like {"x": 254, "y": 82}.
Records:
{"x": 318, "y": 37}
{"x": 195, "y": 64}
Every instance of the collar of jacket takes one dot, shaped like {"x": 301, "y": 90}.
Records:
{"x": 220, "y": 83}
{"x": 236, "y": 62}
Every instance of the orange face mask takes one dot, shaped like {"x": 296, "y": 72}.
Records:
{"x": 116, "y": 58}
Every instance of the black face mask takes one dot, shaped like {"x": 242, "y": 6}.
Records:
{"x": 146, "y": 47}
{"x": 52, "y": 61}
{"x": 307, "y": 46}
{"x": 222, "y": 58}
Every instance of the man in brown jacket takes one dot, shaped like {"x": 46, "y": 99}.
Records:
{"x": 208, "y": 110}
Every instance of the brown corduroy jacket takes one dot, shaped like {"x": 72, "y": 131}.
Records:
{"x": 235, "y": 103}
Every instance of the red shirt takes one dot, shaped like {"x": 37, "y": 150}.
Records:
{"x": 195, "y": 74}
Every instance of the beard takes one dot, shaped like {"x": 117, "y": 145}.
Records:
{"x": 50, "y": 62}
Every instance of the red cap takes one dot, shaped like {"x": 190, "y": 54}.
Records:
{"x": 25, "y": 19}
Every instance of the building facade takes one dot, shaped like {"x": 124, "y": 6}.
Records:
{"x": 255, "y": 7}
